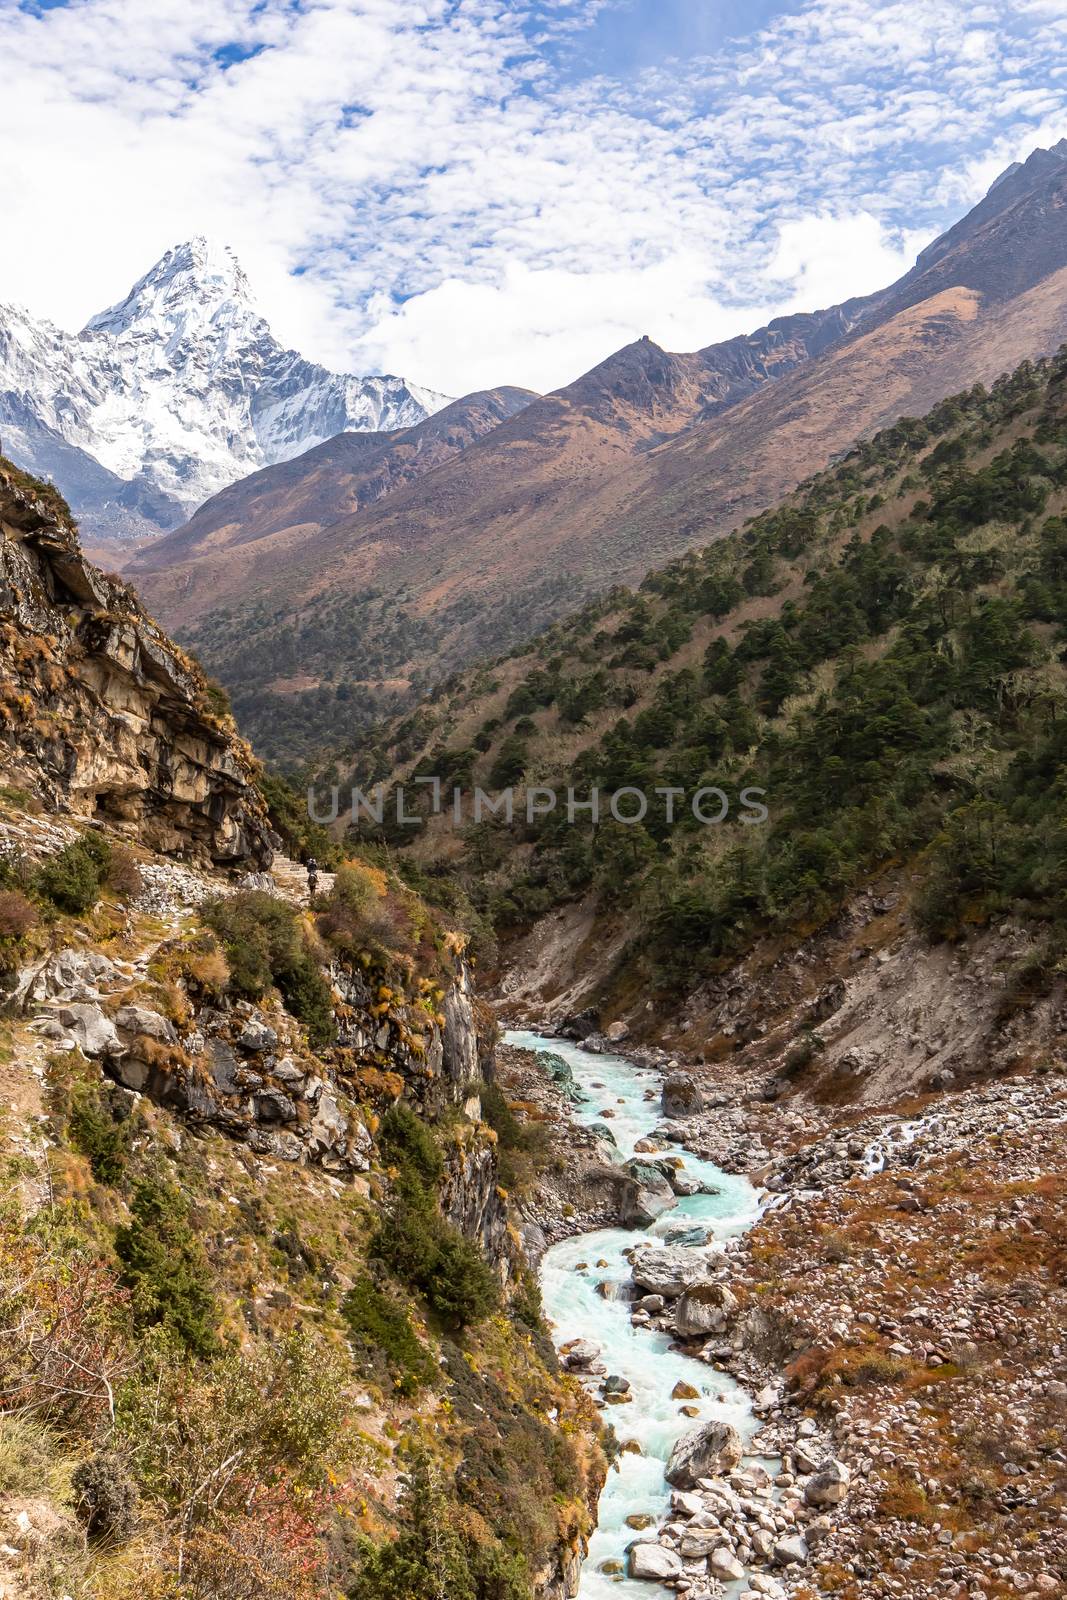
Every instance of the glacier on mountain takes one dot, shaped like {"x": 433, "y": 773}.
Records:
{"x": 178, "y": 390}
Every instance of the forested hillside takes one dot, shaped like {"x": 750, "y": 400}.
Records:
{"x": 883, "y": 654}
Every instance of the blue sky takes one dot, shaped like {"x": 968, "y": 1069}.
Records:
{"x": 485, "y": 191}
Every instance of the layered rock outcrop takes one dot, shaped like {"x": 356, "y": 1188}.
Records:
{"x": 100, "y": 714}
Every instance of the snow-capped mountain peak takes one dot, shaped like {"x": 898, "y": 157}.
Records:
{"x": 174, "y": 392}
{"x": 195, "y": 288}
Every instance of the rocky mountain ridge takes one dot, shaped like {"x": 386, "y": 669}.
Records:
{"x": 172, "y": 393}
{"x": 262, "y": 518}
{"x": 647, "y": 455}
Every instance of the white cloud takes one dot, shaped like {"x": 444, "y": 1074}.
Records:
{"x": 827, "y": 259}
{"x": 461, "y": 210}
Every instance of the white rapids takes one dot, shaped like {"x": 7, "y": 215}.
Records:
{"x": 575, "y": 1309}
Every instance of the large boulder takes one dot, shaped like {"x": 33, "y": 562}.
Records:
{"x": 703, "y": 1310}
{"x": 641, "y": 1207}
{"x": 329, "y": 1127}
{"x": 139, "y": 1020}
{"x": 653, "y": 1562}
{"x": 791, "y": 1550}
{"x": 257, "y": 1035}
{"x": 92, "y": 1031}
{"x": 671, "y": 1270}
{"x": 581, "y": 1025}
{"x": 704, "y": 1452}
{"x": 560, "y": 1072}
{"x": 681, "y": 1096}
{"x": 274, "y": 1106}
{"x": 724, "y": 1565}
{"x": 645, "y": 1199}
{"x": 828, "y": 1486}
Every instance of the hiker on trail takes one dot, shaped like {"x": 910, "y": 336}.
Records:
{"x": 313, "y": 875}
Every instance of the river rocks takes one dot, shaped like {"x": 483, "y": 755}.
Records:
{"x": 653, "y": 1562}
{"x": 705, "y": 1309}
{"x": 807, "y": 1457}
{"x": 790, "y": 1550}
{"x": 683, "y": 1184}
{"x": 616, "y": 1032}
{"x": 703, "y": 1453}
{"x": 724, "y": 1565}
{"x": 684, "y": 1391}
{"x": 681, "y": 1096}
{"x": 579, "y": 1355}
{"x": 829, "y": 1486}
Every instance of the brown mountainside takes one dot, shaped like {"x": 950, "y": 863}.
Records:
{"x": 644, "y": 456}
{"x": 289, "y": 502}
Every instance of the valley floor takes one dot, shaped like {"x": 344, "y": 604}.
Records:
{"x": 896, "y": 1312}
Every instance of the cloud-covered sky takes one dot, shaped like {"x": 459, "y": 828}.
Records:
{"x": 472, "y": 192}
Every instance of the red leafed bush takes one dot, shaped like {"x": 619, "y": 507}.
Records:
{"x": 17, "y": 914}
{"x": 273, "y": 1552}
{"x": 62, "y": 1345}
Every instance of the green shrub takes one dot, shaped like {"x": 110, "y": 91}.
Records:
{"x": 381, "y": 1326}
{"x": 93, "y": 1132}
{"x": 406, "y": 1142}
{"x": 460, "y": 1285}
{"x": 264, "y": 944}
{"x": 260, "y": 937}
{"x": 166, "y": 1269}
{"x": 308, "y": 996}
{"x": 416, "y": 1243}
{"x": 72, "y": 879}
{"x": 106, "y": 1496}
{"x": 434, "y": 1556}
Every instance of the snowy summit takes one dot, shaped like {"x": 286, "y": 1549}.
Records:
{"x": 174, "y": 392}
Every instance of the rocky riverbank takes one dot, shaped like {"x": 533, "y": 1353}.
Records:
{"x": 896, "y": 1314}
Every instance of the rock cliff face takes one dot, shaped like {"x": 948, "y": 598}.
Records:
{"x": 100, "y": 713}
{"x": 248, "y": 1071}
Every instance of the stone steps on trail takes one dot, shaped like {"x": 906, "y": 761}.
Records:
{"x": 291, "y": 880}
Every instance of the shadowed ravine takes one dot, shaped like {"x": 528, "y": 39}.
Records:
{"x": 575, "y": 1309}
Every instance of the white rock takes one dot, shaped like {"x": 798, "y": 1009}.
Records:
{"x": 654, "y": 1562}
